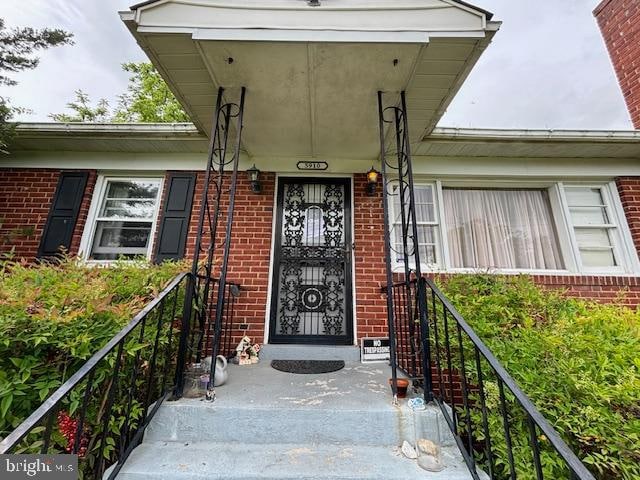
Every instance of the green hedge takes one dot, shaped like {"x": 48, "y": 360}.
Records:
{"x": 53, "y": 317}
{"x": 578, "y": 361}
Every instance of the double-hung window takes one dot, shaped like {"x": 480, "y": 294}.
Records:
{"x": 125, "y": 218}
{"x": 426, "y": 222}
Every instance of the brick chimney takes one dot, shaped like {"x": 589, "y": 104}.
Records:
{"x": 619, "y": 22}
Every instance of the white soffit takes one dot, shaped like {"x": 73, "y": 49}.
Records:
{"x": 312, "y": 73}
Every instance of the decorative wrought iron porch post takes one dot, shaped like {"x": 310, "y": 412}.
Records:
{"x": 197, "y": 305}
{"x": 410, "y": 240}
{"x": 387, "y": 252}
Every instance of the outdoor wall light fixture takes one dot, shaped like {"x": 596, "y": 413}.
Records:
{"x": 372, "y": 181}
{"x": 254, "y": 178}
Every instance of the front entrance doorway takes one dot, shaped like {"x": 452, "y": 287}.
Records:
{"x": 311, "y": 298}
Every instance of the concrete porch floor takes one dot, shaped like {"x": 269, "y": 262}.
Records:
{"x": 351, "y": 388}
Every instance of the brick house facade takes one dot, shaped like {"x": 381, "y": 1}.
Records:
{"x": 279, "y": 134}
{"x": 619, "y": 22}
{"x": 26, "y": 196}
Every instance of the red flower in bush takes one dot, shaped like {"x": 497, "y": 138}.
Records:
{"x": 68, "y": 427}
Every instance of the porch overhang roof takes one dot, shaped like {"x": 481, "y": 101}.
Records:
{"x": 312, "y": 73}
{"x": 442, "y": 142}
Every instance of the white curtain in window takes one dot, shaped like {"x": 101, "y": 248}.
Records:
{"x": 501, "y": 229}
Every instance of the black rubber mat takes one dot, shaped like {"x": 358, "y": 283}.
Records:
{"x": 307, "y": 366}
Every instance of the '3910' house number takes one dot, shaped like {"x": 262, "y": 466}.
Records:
{"x": 305, "y": 165}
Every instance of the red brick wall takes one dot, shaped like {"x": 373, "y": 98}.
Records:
{"x": 250, "y": 248}
{"x": 629, "y": 190}
{"x": 251, "y": 254}
{"x": 26, "y": 194}
{"x": 25, "y": 199}
{"x": 619, "y": 22}
{"x": 624, "y": 290}
{"x": 368, "y": 229}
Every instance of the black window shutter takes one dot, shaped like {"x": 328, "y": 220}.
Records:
{"x": 174, "y": 226}
{"x": 63, "y": 215}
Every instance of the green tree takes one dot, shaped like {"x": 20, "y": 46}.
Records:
{"x": 83, "y": 111}
{"x": 148, "y": 98}
{"x": 17, "y": 48}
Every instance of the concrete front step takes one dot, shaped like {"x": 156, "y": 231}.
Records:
{"x": 352, "y": 406}
{"x": 273, "y": 425}
{"x": 191, "y": 421}
{"x": 249, "y": 461}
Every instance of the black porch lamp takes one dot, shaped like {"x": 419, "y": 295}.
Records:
{"x": 372, "y": 181}
{"x": 254, "y": 178}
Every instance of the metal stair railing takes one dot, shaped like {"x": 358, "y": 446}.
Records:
{"x": 497, "y": 428}
{"x": 102, "y": 410}
{"x": 495, "y": 425}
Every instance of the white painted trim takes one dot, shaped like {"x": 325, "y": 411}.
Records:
{"x": 272, "y": 251}
{"x": 354, "y": 314}
{"x": 273, "y": 246}
{"x": 340, "y": 7}
{"x": 563, "y": 226}
{"x": 324, "y": 36}
{"x": 446, "y": 259}
{"x": 438, "y": 132}
{"x": 533, "y": 134}
{"x": 88, "y": 233}
{"x": 434, "y": 167}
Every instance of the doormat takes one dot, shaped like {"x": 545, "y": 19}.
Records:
{"x": 307, "y": 366}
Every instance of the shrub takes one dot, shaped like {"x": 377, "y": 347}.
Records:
{"x": 53, "y": 317}
{"x": 578, "y": 361}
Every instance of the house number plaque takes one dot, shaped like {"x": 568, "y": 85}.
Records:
{"x": 312, "y": 165}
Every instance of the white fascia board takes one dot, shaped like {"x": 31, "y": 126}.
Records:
{"x": 443, "y": 133}
{"x": 107, "y": 129}
{"x": 127, "y": 16}
{"x": 329, "y": 36}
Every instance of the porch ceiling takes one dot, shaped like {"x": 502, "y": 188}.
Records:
{"x": 312, "y": 73}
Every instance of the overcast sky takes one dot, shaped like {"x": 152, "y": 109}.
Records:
{"x": 547, "y": 66}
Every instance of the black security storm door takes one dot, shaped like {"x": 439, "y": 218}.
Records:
{"x": 311, "y": 291}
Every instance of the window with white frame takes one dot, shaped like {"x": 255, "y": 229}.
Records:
{"x": 125, "y": 218}
{"x": 426, "y": 221}
{"x": 594, "y": 227}
{"x": 518, "y": 226}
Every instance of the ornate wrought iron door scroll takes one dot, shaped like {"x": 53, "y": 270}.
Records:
{"x": 311, "y": 299}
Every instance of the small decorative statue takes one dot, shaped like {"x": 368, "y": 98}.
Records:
{"x": 246, "y": 353}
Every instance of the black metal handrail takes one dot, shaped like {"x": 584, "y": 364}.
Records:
{"x": 205, "y": 336}
{"x": 496, "y": 426}
{"x": 102, "y": 410}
